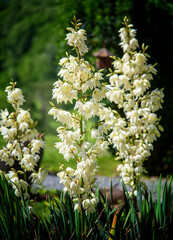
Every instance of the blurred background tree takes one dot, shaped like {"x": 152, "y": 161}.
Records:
{"x": 32, "y": 34}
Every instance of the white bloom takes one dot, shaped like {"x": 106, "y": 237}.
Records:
{"x": 70, "y": 171}
{"x": 12, "y": 132}
{"x": 4, "y": 117}
{"x": 66, "y": 150}
{"x": 132, "y": 33}
{"x": 153, "y": 101}
{"x": 24, "y": 116}
{"x": 80, "y": 85}
{"x": 64, "y": 92}
{"x": 140, "y": 59}
{"x": 68, "y": 136}
{"x": 3, "y": 130}
{"x": 23, "y": 184}
{"x": 127, "y": 69}
{"x": 98, "y": 95}
{"x": 133, "y": 135}
{"x": 63, "y": 61}
{"x": 77, "y": 39}
{"x": 23, "y": 126}
{"x": 61, "y": 115}
{"x": 5, "y": 157}
{"x": 10, "y": 146}
{"x": 133, "y": 44}
{"x": 94, "y": 133}
{"x": 86, "y": 203}
{"x": 37, "y": 145}
{"x": 77, "y": 207}
{"x": 87, "y": 109}
{"x": 13, "y": 177}
{"x": 15, "y": 96}
{"x": 115, "y": 95}
{"x": 28, "y": 162}
{"x": 140, "y": 86}
{"x": 39, "y": 177}
{"x": 17, "y": 128}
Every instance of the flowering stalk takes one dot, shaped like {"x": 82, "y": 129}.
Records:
{"x": 134, "y": 133}
{"x": 80, "y": 85}
{"x": 23, "y": 144}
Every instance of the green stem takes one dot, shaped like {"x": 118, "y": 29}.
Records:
{"x": 20, "y": 145}
{"x": 81, "y": 141}
{"x": 82, "y": 224}
{"x": 81, "y": 122}
{"x": 81, "y": 129}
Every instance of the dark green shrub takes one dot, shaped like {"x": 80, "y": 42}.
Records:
{"x": 146, "y": 216}
{"x": 16, "y": 218}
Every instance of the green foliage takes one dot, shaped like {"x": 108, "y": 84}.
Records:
{"x": 145, "y": 217}
{"x": 65, "y": 223}
{"x": 16, "y": 218}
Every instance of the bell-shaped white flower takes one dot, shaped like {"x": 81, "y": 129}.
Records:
{"x": 133, "y": 133}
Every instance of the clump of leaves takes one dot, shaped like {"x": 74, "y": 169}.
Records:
{"x": 146, "y": 216}
{"x": 65, "y": 223}
{"x": 17, "y": 221}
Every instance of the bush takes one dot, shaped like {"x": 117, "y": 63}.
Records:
{"x": 144, "y": 217}
{"x": 17, "y": 221}
{"x": 147, "y": 216}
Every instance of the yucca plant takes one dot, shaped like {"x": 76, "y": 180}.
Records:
{"x": 65, "y": 223}
{"x": 16, "y": 218}
{"x": 145, "y": 217}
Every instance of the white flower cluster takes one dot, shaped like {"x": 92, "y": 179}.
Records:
{"x": 80, "y": 85}
{"x": 134, "y": 133}
{"x": 77, "y": 39}
{"x": 23, "y": 142}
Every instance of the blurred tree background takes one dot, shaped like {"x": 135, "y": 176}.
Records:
{"x": 32, "y": 34}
